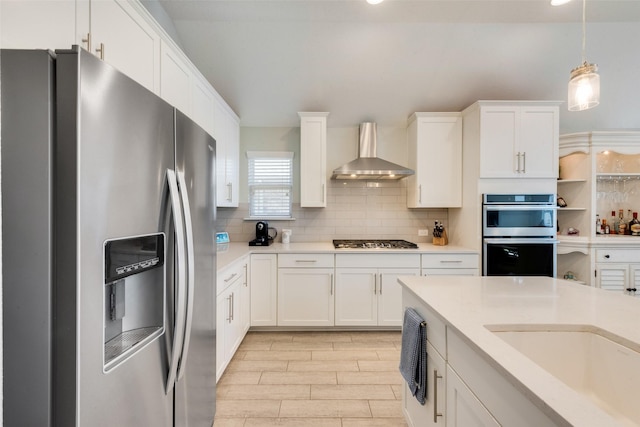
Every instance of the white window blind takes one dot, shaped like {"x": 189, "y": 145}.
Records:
{"x": 270, "y": 184}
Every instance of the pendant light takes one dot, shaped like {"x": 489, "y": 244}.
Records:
{"x": 584, "y": 85}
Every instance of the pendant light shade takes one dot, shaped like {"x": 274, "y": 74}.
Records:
{"x": 584, "y": 83}
{"x": 584, "y": 87}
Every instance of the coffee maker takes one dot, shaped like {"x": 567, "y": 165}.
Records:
{"x": 262, "y": 235}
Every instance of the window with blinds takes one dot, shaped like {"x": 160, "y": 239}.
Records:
{"x": 270, "y": 184}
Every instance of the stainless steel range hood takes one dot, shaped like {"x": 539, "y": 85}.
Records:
{"x": 367, "y": 165}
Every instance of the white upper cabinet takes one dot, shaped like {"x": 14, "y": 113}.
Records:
{"x": 435, "y": 153}
{"x": 203, "y": 104}
{"x": 37, "y": 24}
{"x": 313, "y": 160}
{"x": 175, "y": 79}
{"x": 123, "y": 38}
{"x": 518, "y": 139}
{"x": 227, "y": 136}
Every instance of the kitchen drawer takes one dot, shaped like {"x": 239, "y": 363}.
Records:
{"x": 305, "y": 261}
{"x": 228, "y": 276}
{"x": 618, "y": 255}
{"x": 443, "y": 260}
{"x": 378, "y": 260}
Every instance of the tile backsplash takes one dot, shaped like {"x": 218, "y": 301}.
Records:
{"x": 355, "y": 210}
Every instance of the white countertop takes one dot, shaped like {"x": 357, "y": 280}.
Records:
{"x": 467, "y": 304}
{"x": 228, "y": 253}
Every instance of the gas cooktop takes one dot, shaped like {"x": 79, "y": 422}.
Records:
{"x": 373, "y": 244}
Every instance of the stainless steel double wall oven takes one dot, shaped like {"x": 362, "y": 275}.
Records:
{"x": 519, "y": 235}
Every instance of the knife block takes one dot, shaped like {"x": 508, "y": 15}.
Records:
{"x": 441, "y": 241}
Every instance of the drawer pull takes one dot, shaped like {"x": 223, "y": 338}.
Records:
{"x": 607, "y": 256}
{"x": 436, "y": 414}
{"x": 306, "y": 260}
{"x": 450, "y": 261}
{"x": 231, "y": 277}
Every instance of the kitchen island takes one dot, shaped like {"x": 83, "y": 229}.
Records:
{"x": 526, "y": 351}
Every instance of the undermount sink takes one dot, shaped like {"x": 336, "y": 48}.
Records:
{"x": 592, "y": 361}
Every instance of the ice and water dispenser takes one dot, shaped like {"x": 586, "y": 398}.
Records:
{"x": 134, "y": 295}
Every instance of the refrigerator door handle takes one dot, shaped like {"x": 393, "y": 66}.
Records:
{"x": 191, "y": 285}
{"x": 180, "y": 297}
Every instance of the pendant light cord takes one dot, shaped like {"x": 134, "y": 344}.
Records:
{"x": 584, "y": 31}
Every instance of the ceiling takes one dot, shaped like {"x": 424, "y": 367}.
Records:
{"x": 270, "y": 59}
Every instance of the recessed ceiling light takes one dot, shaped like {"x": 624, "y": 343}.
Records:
{"x": 559, "y": 2}
{"x": 374, "y": 1}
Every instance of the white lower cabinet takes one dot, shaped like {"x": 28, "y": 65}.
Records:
{"x": 231, "y": 303}
{"x": 433, "y": 411}
{"x": 367, "y": 290}
{"x": 305, "y": 290}
{"x": 463, "y": 407}
{"x": 450, "y": 264}
{"x": 616, "y": 271}
{"x": 264, "y": 289}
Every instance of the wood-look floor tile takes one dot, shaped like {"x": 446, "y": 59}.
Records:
{"x": 229, "y": 422}
{"x": 240, "y": 377}
{"x": 397, "y": 391}
{"x": 312, "y": 345}
{"x": 390, "y": 378}
{"x": 351, "y": 391}
{"x": 346, "y": 355}
{"x": 372, "y": 336}
{"x": 364, "y": 345}
{"x": 380, "y": 365}
{"x": 325, "y": 408}
{"x": 385, "y": 408}
{"x": 292, "y": 422}
{"x": 257, "y": 365}
{"x": 323, "y": 337}
{"x": 255, "y": 346}
{"x": 323, "y": 366}
{"x": 390, "y": 354}
{"x": 247, "y": 408}
{"x": 373, "y": 422}
{"x": 268, "y": 337}
{"x": 265, "y": 391}
{"x": 277, "y": 355}
{"x": 298, "y": 378}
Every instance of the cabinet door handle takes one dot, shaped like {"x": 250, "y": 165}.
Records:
{"x": 233, "y": 303}
{"x": 100, "y": 50}
{"x": 324, "y": 193}
{"x": 436, "y": 414}
{"x": 87, "y": 40}
{"x": 229, "y": 308}
{"x": 230, "y": 191}
{"x": 420, "y": 194}
{"x": 380, "y": 284}
{"x": 246, "y": 282}
{"x": 331, "y": 285}
{"x": 230, "y": 277}
{"x": 375, "y": 284}
{"x": 524, "y": 162}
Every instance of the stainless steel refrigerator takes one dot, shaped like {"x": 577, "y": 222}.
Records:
{"x": 108, "y": 249}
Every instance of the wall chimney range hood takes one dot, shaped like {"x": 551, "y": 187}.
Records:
{"x": 367, "y": 165}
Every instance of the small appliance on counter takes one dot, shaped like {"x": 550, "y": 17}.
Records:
{"x": 262, "y": 234}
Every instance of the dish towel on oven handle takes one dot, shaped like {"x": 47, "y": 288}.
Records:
{"x": 413, "y": 355}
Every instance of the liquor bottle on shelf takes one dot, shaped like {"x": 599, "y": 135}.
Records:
{"x": 612, "y": 223}
{"x": 620, "y": 225}
{"x": 635, "y": 225}
{"x": 606, "y": 229}
{"x": 627, "y": 221}
{"x": 598, "y": 224}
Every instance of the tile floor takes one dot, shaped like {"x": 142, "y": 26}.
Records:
{"x": 315, "y": 379}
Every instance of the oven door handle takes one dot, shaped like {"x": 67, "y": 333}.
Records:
{"x": 524, "y": 241}
{"x": 519, "y": 207}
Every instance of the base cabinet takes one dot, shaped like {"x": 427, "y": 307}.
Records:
{"x": 432, "y": 413}
{"x": 463, "y": 407}
{"x": 305, "y": 290}
{"x": 264, "y": 289}
{"x": 232, "y": 302}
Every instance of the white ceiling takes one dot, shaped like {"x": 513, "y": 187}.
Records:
{"x": 270, "y": 59}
